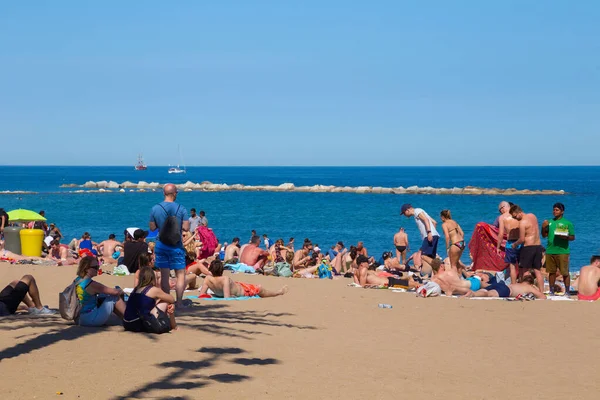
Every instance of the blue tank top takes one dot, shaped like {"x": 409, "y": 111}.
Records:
{"x": 138, "y": 303}
{"x": 86, "y": 244}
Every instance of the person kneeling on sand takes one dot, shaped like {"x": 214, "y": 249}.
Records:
{"x": 588, "y": 284}
{"x": 224, "y": 286}
{"x": 493, "y": 288}
{"x": 149, "y": 309}
{"x": 22, "y": 291}
{"x": 97, "y": 301}
{"x": 367, "y": 278}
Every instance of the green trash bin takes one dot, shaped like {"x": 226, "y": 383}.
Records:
{"x": 12, "y": 239}
{"x": 31, "y": 242}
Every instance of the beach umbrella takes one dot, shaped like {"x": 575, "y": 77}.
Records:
{"x": 22, "y": 215}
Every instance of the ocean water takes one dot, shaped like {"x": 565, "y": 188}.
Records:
{"x": 323, "y": 217}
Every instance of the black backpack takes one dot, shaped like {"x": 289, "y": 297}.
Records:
{"x": 170, "y": 232}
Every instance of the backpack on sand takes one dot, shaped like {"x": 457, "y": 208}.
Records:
{"x": 68, "y": 302}
{"x": 170, "y": 232}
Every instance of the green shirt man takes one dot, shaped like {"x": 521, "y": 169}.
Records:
{"x": 559, "y": 232}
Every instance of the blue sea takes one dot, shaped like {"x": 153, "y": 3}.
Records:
{"x": 323, "y": 217}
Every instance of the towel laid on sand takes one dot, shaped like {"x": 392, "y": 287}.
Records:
{"x": 222, "y": 298}
{"x": 240, "y": 267}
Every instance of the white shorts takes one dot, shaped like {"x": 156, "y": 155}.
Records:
{"x": 100, "y": 315}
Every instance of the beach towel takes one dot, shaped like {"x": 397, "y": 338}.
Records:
{"x": 483, "y": 248}
{"x": 240, "y": 267}
{"x": 224, "y": 299}
{"x": 209, "y": 241}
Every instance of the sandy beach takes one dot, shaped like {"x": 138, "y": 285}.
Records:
{"x": 322, "y": 340}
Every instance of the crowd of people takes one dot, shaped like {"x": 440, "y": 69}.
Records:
{"x": 180, "y": 249}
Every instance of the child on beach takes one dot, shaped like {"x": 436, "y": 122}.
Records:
{"x": 149, "y": 309}
{"x": 224, "y": 286}
{"x": 97, "y": 301}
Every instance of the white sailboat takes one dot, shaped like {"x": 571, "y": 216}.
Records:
{"x": 177, "y": 169}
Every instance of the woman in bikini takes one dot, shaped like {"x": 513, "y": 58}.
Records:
{"x": 455, "y": 238}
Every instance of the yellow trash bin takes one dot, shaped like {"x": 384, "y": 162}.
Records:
{"x": 31, "y": 242}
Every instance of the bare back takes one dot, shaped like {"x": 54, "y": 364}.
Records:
{"x": 529, "y": 224}
{"x": 589, "y": 280}
{"x": 251, "y": 255}
{"x": 231, "y": 252}
{"x": 510, "y": 227}
{"x": 218, "y": 284}
{"x": 455, "y": 233}
{"x": 400, "y": 239}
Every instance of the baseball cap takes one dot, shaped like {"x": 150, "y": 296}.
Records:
{"x": 404, "y": 208}
{"x": 316, "y": 249}
{"x": 131, "y": 231}
{"x": 139, "y": 234}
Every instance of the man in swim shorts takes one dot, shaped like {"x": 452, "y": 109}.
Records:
{"x": 509, "y": 229}
{"x": 529, "y": 237}
{"x": 401, "y": 244}
{"x": 224, "y": 286}
{"x": 428, "y": 232}
{"x": 170, "y": 256}
{"x": 493, "y": 288}
{"x": 559, "y": 232}
{"x": 588, "y": 284}
{"x": 24, "y": 291}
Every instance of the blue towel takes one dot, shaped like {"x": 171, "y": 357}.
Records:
{"x": 227, "y": 299}
{"x": 239, "y": 267}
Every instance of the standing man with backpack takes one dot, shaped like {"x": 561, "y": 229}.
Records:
{"x": 171, "y": 219}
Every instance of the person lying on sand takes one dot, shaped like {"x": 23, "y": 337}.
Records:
{"x": 60, "y": 254}
{"x": 452, "y": 282}
{"x": 367, "y": 278}
{"x": 588, "y": 283}
{"x": 149, "y": 301}
{"x": 224, "y": 286}
{"x": 493, "y": 288}
{"x": 23, "y": 291}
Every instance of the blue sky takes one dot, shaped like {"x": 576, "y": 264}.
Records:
{"x": 509, "y": 82}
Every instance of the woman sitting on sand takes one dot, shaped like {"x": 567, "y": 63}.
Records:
{"x": 149, "y": 309}
{"x": 455, "y": 238}
{"x": 97, "y": 301}
{"x": 224, "y": 286}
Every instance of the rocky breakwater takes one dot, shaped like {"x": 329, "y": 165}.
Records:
{"x": 142, "y": 186}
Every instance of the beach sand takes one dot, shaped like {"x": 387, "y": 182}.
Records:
{"x": 322, "y": 340}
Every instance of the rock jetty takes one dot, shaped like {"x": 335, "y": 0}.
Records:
{"x": 109, "y": 186}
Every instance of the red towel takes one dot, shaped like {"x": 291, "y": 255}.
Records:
{"x": 483, "y": 248}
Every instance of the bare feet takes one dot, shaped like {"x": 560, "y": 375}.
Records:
{"x": 283, "y": 290}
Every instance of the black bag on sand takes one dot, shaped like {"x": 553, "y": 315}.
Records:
{"x": 153, "y": 324}
{"x": 170, "y": 232}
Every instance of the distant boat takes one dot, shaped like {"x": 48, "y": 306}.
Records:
{"x": 177, "y": 169}
{"x": 141, "y": 165}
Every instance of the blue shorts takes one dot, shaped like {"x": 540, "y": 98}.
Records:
{"x": 475, "y": 283}
{"x": 169, "y": 257}
{"x": 430, "y": 248}
{"x": 99, "y": 316}
{"x": 511, "y": 256}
